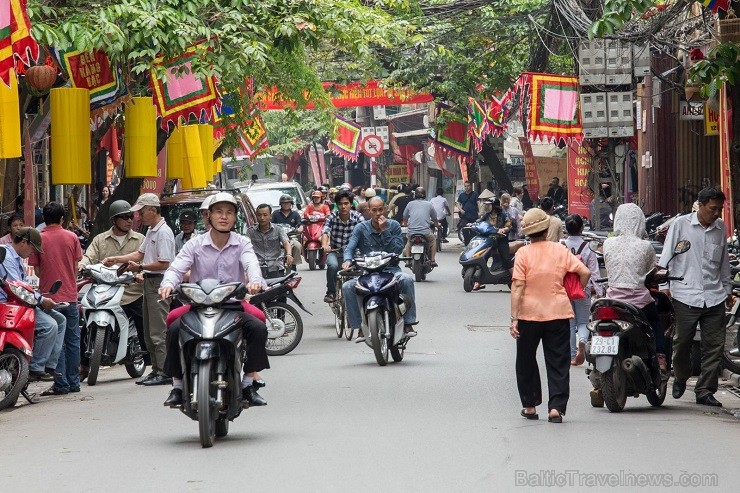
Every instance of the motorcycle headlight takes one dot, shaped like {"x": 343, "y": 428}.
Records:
{"x": 194, "y": 294}
{"x": 23, "y": 294}
{"x": 475, "y": 243}
{"x": 219, "y": 294}
{"x": 105, "y": 276}
{"x": 376, "y": 262}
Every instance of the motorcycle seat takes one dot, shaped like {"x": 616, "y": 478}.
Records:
{"x": 278, "y": 280}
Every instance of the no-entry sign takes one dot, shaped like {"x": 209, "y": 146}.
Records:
{"x": 372, "y": 146}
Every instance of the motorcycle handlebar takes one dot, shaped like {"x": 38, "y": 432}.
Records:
{"x": 603, "y": 279}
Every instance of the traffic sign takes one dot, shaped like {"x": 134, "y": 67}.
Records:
{"x": 372, "y": 146}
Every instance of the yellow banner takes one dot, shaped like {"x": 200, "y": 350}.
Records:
{"x": 711, "y": 121}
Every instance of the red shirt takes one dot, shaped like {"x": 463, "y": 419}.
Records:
{"x": 311, "y": 208}
{"x": 59, "y": 261}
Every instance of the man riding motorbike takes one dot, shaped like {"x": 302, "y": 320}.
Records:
{"x": 335, "y": 236}
{"x": 269, "y": 242}
{"x": 418, "y": 215}
{"x": 286, "y": 215}
{"x": 227, "y": 256}
{"x": 377, "y": 235}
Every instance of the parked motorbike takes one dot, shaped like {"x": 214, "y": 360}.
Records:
{"x": 382, "y": 306}
{"x": 312, "y": 249}
{"x": 731, "y": 352}
{"x": 110, "y": 335}
{"x": 17, "y": 327}
{"x": 284, "y": 323}
{"x": 212, "y": 351}
{"x": 480, "y": 260}
{"x": 622, "y": 348}
{"x": 421, "y": 263}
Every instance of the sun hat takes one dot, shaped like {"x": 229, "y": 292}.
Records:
{"x": 535, "y": 221}
{"x": 145, "y": 200}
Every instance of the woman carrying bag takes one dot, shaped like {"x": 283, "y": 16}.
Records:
{"x": 541, "y": 310}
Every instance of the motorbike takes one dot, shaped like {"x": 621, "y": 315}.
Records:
{"x": 421, "y": 264}
{"x": 312, "y": 249}
{"x": 480, "y": 260}
{"x": 110, "y": 335}
{"x": 17, "y": 327}
{"x": 382, "y": 306}
{"x": 212, "y": 352}
{"x": 284, "y": 323}
{"x": 621, "y": 348}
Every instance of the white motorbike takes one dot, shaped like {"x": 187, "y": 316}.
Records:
{"x": 110, "y": 335}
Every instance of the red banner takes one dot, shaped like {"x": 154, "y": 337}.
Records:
{"x": 350, "y": 95}
{"x": 579, "y": 195}
{"x": 725, "y": 174}
{"x": 156, "y": 185}
{"x": 530, "y": 169}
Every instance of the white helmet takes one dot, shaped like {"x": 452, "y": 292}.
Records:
{"x": 206, "y": 204}
{"x": 222, "y": 197}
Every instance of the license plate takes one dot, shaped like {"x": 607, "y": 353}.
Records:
{"x": 417, "y": 248}
{"x": 604, "y": 345}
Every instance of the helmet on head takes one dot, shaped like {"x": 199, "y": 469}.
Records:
{"x": 333, "y": 190}
{"x": 420, "y": 193}
{"x": 316, "y": 193}
{"x": 221, "y": 197}
{"x": 117, "y": 208}
{"x": 205, "y": 205}
{"x": 286, "y": 198}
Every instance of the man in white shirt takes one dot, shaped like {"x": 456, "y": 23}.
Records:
{"x": 442, "y": 208}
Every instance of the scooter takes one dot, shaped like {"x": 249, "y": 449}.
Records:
{"x": 312, "y": 249}
{"x": 382, "y": 306}
{"x": 621, "y": 349}
{"x": 17, "y": 326}
{"x": 110, "y": 336}
{"x": 212, "y": 351}
{"x": 421, "y": 264}
{"x": 480, "y": 260}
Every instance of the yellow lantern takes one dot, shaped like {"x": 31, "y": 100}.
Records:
{"x": 175, "y": 155}
{"x": 10, "y": 123}
{"x": 140, "y": 138}
{"x": 206, "y": 143}
{"x": 194, "y": 173}
{"x": 70, "y": 136}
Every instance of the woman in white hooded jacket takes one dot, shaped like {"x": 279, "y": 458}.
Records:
{"x": 628, "y": 259}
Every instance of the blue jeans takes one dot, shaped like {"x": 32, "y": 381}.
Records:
{"x": 578, "y": 325}
{"x": 354, "y": 318}
{"x": 69, "y": 359}
{"x": 332, "y": 267}
{"x": 50, "y": 328}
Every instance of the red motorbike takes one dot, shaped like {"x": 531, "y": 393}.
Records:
{"x": 312, "y": 250}
{"x": 17, "y": 326}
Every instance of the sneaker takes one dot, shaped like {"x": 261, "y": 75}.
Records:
{"x": 409, "y": 331}
{"x": 581, "y": 354}
{"x": 328, "y": 299}
{"x": 360, "y": 337}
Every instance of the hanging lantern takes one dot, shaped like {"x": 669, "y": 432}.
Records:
{"x": 41, "y": 77}
{"x": 140, "y": 138}
{"x": 70, "y": 136}
{"x": 175, "y": 155}
{"x": 206, "y": 143}
{"x": 10, "y": 123}
{"x": 194, "y": 173}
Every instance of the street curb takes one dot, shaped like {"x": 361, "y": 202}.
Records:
{"x": 731, "y": 378}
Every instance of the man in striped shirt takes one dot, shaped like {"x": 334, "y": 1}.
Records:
{"x": 335, "y": 236}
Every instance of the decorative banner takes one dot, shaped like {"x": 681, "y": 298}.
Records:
{"x": 253, "y": 137}
{"x": 345, "y": 139}
{"x": 92, "y": 70}
{"x": 498, "y": 113}
{"x": 725, "y": 171}
{"x": 15, "y": 37}
{"x": 395, "y": 174}
{"x": 349, "y": 95}
{"x": 183, "y": 94}
{"x": 453, "y": 138}
{"x": 579, "y": 194}
{"x": 553, "y": 112}
{"x": 711, "y": 121}
{"x": 715, "y": 5}
{"x": 530, "y": 171}
{"x": 477, "y": 123}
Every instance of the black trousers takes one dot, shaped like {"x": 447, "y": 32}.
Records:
{"x": 555, "y": 337}
{"x": 132, "y": 310}
{"x": 445, "y": 227}
{"x": 255, "y": 334}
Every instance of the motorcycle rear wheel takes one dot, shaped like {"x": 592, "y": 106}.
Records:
{"x": 657, "y": 396}
{"x": 348, "y": 332}
{"x": 614, "y": 388}
{"x": 376, "y": 324}
{"x": 311, "y": 258}
{"x": 293, "y": 328}
{"x": 97, "y": 354}
{"x": 729, "y": 361}
{"x": 15, "y": 363}
{"x": 206, "y": 414}
{"x": 468, "y": 279}
{"x": 136, "y": 368}
{"x": 418, "y": 268}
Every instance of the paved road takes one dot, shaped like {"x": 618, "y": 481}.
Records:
{"x": 445, "y": 419}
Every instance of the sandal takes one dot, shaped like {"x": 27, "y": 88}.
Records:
{"x": 527, "y": 415}
{"x": 478, "y": 287}
{"x": 555, "y": 419}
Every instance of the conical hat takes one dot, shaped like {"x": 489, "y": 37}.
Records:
{"x": 486, "y": 194}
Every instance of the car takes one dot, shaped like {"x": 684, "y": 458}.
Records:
{"x": 173, "y": 204}
{"x": 270, "y": 193}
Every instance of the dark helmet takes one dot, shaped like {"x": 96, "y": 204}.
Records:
{"x": 117, "y": 208}
{"x": 286, "y": 198}
{"x": 420, "y": 193}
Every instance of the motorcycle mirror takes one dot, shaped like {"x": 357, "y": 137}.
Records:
{"x": 682, "y": 246}
{"x": 596, "y": 246}
{"x": 55, "y": 287}
{"x": 3, "y": 251}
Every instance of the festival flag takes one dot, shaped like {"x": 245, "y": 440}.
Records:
{"x": 453, "y": 138}
{"x": 553, "y": 110}
{"x": 183, "y": 93}
{"x": 345, "y": 139}
{"x": 253, "y": 136}
{"x": 15, "y": 37}
{"x": 93, "y": 71}
{"x": 715, "y": 5}
{"x": 477, "y": 123}
{"x": 498, "y": 113}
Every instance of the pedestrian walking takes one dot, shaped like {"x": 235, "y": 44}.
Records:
{"x": 540, "y": 311}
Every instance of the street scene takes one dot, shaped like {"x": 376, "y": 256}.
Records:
{"x": 419, "y": 245}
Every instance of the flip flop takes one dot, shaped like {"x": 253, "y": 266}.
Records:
{"x": 527, "y": 415}
{"x": 555, "y": 419}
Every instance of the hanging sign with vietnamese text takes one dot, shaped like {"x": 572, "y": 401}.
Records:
{"x": 711, "y": 121}
{"x": 579, "y": 194}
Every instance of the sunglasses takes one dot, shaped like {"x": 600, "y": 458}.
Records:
{"x": 126, "y": 217}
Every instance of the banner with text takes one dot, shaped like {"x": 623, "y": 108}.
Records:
{"x": 579, "y": 195}
{"x": 395, "y": 174}
{"x": 530, "y": 171}
{"x": 725, "y": 173}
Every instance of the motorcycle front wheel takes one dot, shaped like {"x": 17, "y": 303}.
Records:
{"x": 293, "y": 328}
{"x": 614, "y": 388}
{"x": 376, "y": 324}
{"x": 97, "y": 354}
{"x": 731, "y": 353}
{"x": 206, "y": 414}
{"x": 136, "y": 368}
{"x": 339, "y": 320}
{"x": 16, "y": 364}
{"x": 468, "y": 280}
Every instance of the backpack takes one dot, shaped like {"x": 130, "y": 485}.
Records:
{"x": 578, "y": 252}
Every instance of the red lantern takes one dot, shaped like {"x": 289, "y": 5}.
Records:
{"x": 41, "y": 77}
